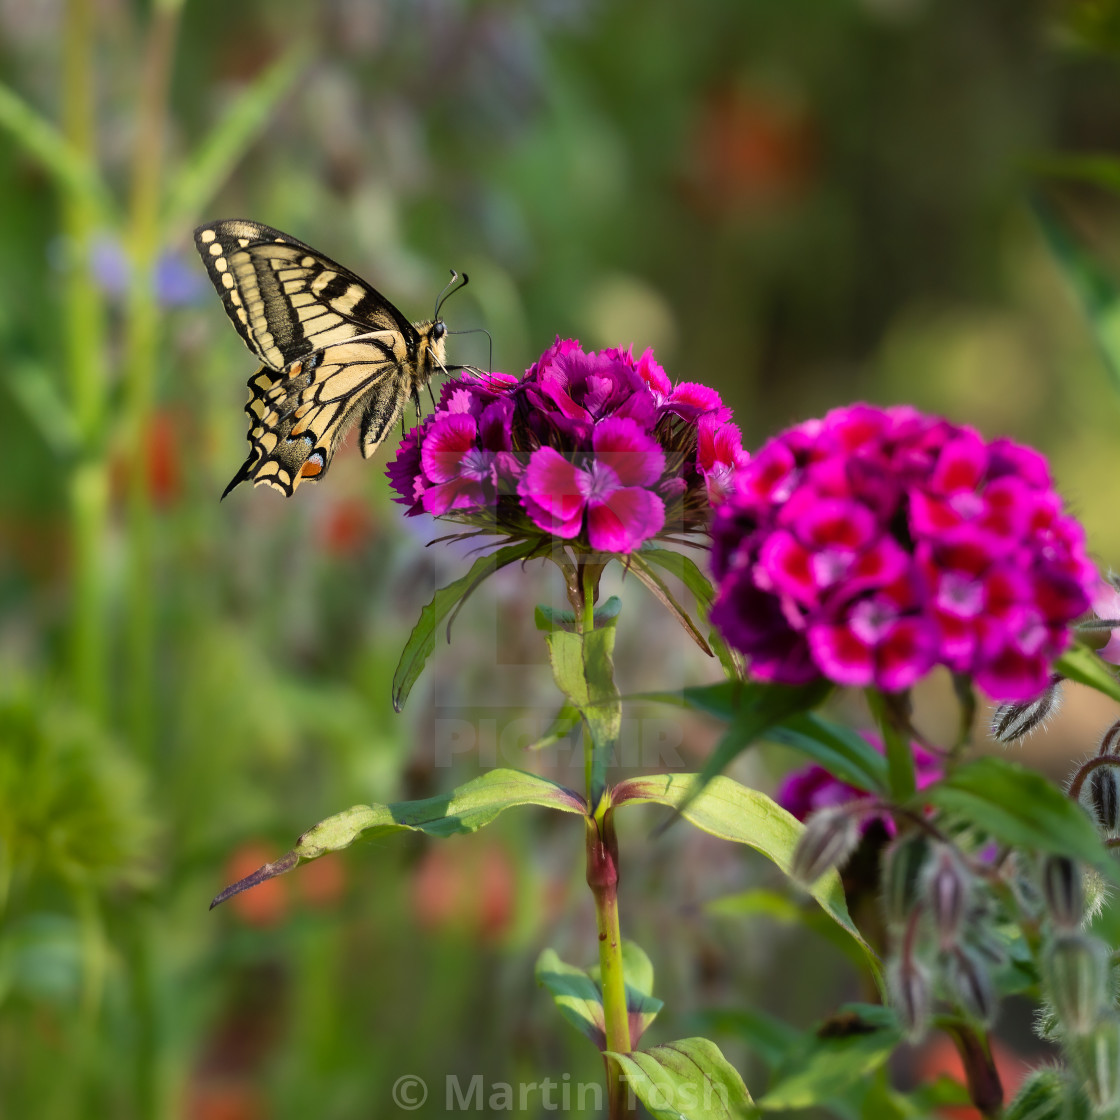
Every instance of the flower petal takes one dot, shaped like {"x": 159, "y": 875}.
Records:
{"x": 624, "y": 519}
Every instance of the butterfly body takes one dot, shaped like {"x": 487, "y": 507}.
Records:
{"x": 334, "y": 351}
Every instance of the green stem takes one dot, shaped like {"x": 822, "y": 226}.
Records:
{"x": 900, "y": 758}
{"x": 142, "y": 359}
{"x": 586, "y": 617}
{"x": 589, "y": 592}
{"x": 602, "y": 877}
{"x": 83, "y": 331}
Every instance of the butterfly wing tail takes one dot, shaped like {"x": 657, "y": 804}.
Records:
{"x": 243, "y": 475}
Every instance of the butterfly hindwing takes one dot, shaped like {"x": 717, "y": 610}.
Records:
{"x": 333, "y": 349}
{"x": 297, "y": 418}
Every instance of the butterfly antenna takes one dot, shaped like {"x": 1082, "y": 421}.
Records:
{"x": 481, "y": 330}
{"x": 447, "y": 290}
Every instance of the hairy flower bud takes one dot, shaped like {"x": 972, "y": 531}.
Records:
{"x": 830, "y": 836}
{"x": 1062, "y": 888}
{"x": 947, "y": 887}
{"x": 972, "y": 985}
{"x": 1075, "y": 970}
{"x": 908, "y": 984}
{"x": 1047, "y": 1094}
{"x": 1096, "y": 1057}
{"x": 903, "y": 864}
{"x": 1011, "y": 722}
{"x": 1104, "y": 797}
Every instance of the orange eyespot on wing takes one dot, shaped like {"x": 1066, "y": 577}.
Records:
{"x": 313, "y": 467}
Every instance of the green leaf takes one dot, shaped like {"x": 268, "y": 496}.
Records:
{"x": 829, "y": 1061}
{"x": 1095, "y": 290}
{"x": 205, "y": 171}
{"x": 731, "y": 811}
{"x": 685, "y": 1080}
{"x": 841, "y": 751}
{"x": 421, "y": 642}
{"x": 759, "y": 707}
{"x": 1019, "y": 807}
{"x": 578, "y": 994}
{"x": 63, "y": 162}
{"x": 1081, "y": 664}
{"x": 575, "y": 994}
{"x": 720, "y": 700}
{"x": 637, "y": 968}
{"x": 465, "y": 809}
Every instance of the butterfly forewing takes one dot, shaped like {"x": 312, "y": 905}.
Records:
{"x": 333, "y": 348}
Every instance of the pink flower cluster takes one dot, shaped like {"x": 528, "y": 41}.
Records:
{"x": 600, "y": 449}
{"x": 871, "y": 545}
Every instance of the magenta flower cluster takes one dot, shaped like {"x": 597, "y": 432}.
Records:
{"x": 599, "y": 449}
{"x": 871, "y": 545}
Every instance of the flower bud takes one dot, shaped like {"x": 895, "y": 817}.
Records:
{"x": 1011, "y": 722}
{"x": 1075, "y": 970}
{"x": 972, "y": 986}
{"x": 1063, "y": 891}
{"x": 1047, "y": 1094}
{"x": 903, "y": 864}
{"x": 1104, "y": 797}
{"x": 947, "y": 888}
{"x": 1096, "y": 1057}
{"x": 830, "y": 836}
{"x": 908, "y": 984}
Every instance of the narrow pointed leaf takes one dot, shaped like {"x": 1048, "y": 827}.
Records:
{"x": 465, "y": 809}
{"x": 844, "y": 753}
{"x": 421, "y": 642}
{"x": 731, "y": 811}
{"x": 759, "y": 707}
{"x": 63, "y": 162}
{"x": 685, "y": 1080}
{"x": 1081, "y": 664}
{"x": 1095, "y": 290}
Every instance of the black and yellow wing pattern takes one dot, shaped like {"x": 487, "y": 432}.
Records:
{"x": 333, "y": 350}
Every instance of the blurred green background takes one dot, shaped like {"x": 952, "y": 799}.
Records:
{"x": 801, "y": 203}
